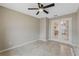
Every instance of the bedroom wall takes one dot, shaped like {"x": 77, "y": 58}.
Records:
{"x": 17, "y": 28}
{"x": 77, "y": 25}
{"x": 74, "y": 26}
{"x": 44, "y": 29}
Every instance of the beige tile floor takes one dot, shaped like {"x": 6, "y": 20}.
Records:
{"x": 40, "y": 48}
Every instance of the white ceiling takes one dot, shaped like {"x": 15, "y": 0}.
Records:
{"x": 59, "y": 9}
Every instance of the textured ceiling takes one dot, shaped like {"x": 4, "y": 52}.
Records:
{"x": 59, "y": 9}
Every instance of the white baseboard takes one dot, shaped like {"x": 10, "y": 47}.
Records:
{"x": 20, "y": 45}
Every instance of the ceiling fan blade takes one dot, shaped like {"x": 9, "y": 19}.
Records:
{"x": 46, "y": 11}
{"x": 53, "y": 4}
{"x": 37, "y": 13}
{"x": 32, "y": 8}
{"x": 39, "y": 5}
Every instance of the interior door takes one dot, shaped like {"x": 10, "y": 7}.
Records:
{"x": 61, "y": 29}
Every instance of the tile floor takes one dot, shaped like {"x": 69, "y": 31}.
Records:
{"x": 40, "y": 48}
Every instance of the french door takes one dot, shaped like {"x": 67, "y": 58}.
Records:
{"x": 61, "y": 29}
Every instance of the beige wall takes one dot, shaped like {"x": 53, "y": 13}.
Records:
{"x": 74, "y": 29}
{"x": 44, "y": 29}
{"x": 77, "y": 26}
{"x": 17, "y": 28}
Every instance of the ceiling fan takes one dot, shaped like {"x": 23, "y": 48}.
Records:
{"x": 41, "y": 7}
